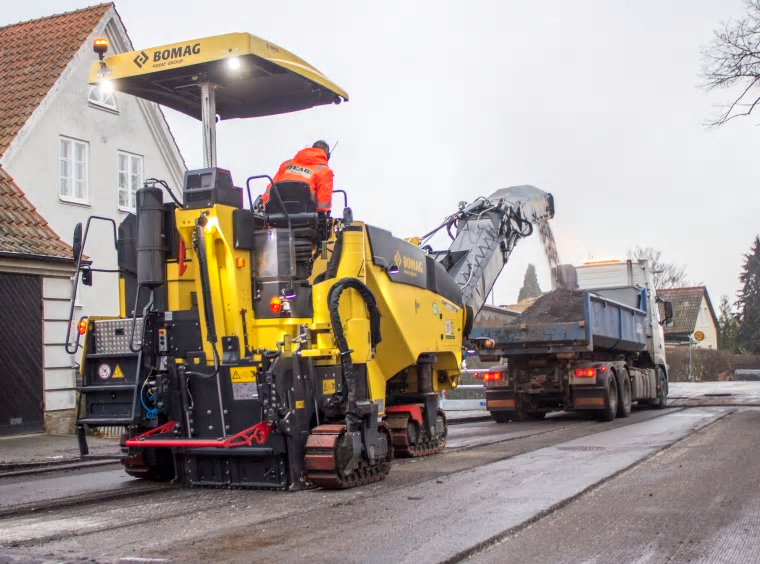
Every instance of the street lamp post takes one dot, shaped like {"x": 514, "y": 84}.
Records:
{"x": 692, "y": 342}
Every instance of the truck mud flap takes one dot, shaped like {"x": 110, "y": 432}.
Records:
{"x": 589, "y": 398}
{"x": 500, "y": 400}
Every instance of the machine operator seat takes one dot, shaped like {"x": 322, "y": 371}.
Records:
{"x": 297, "y": 200}
{"x": 297, "y": 204}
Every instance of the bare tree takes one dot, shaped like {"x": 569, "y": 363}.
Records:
{"x": 733, "y": 60}
{"x": 665, "y": 274}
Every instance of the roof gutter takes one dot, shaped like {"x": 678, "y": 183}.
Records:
{"x": 27, "y": 256}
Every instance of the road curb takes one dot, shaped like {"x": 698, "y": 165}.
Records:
{"x": 24, "y": 469}
{"x": 469, "y": 419}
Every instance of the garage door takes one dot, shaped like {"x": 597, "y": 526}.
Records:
{"x": 21, "y": 404}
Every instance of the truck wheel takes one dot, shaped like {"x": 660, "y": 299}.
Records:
{"x": 500, "y": 416}
{"x": 624, "y": 398}
{"x": 661, "y": 401}
{"x": 610, "y": 402}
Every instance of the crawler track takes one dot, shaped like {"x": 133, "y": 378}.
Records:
{"x": 322, "y": 460}
{"x": 408, "y": 440}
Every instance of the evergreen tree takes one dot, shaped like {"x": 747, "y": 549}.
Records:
{"x": 748, "y": 333}
{"x": 727, "y": 325}
{"x": 530, "y": 287}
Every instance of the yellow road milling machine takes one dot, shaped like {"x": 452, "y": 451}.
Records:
{"x": 274, "y": 346}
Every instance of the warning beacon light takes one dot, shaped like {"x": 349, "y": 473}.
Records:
{"x": 100, "y": 46}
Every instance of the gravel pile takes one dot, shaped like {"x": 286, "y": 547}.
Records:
{"x": 561, "y": 305}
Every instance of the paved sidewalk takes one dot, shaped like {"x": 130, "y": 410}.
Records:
{"x": 31, "y": 451}
{"x": 696, "y": 394}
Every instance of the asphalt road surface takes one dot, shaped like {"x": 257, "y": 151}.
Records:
{"x": 678, "y": 485}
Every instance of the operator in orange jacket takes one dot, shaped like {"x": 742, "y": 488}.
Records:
{"x": 310, "y": 166}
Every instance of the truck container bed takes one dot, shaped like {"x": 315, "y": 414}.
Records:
{"x": 604, "y": 325}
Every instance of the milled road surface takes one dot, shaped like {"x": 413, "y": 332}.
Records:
{"x": 489, "y": 482}
{"x": 25, "y": 492}
{"x": 698, "y": 501}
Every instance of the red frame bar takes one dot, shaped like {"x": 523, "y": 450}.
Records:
{"x": 258, "y": 434}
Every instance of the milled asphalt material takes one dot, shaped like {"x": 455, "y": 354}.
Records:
{"x": 462, "y": 511}
{"x": 696, "y": 502}
{"x": 34, "y": 451}
{"x": 211, "y": 525}
{"x": 23, "y": 492}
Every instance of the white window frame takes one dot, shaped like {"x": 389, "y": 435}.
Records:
{"x": 127, "y": 172}
{"x": 72, "y": 166}
{"x": 103, "y": 99}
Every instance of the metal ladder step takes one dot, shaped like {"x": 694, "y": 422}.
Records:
{"x": 106, "y": 422}
{"x": 111, "y": 388}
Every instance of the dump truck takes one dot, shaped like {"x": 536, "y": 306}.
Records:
{"x": 269, "y": 345}
{"x": 594, "y": 344}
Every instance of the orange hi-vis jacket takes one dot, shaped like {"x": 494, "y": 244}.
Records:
{"x": 310, "y": 166}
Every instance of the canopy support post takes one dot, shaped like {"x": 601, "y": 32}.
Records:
{"x": 208, "y": 117}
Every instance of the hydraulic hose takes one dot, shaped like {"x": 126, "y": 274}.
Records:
{"x": 199, "y": 245}
{"x": 347, "y": 366}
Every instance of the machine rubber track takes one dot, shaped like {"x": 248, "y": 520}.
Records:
{"x": 406, "y": 446}
{"x": 322, "y": 460}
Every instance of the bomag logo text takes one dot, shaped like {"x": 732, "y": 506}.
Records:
{"x": 177, "y": 52}
{"x": 409, "y": 265}
{"x": 414, "y": 265}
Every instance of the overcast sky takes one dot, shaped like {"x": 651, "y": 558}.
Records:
{"x": 597, "y": 102}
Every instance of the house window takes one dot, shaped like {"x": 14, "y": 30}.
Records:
{"x": 130, "y": 179}
{"x": 103, "y": 98}
{"x": 73, "y": 171}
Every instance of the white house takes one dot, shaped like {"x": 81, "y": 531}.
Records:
{"x": 694, "y": 319}
{"x": 74, "y": 151}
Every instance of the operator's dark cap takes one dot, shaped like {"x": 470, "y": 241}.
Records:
{"x": 322, "y": 145}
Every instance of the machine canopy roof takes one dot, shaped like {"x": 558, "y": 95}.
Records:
{"x": 253, "y": 77}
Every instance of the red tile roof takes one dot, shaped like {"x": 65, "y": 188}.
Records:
{"x": 33, "y": 55}
{"x": 22, "y": 229}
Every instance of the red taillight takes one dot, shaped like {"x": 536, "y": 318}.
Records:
{"x": 585, "y": 372}
{"x": 82, "y": 326}
{"x": 275, "y": 304}
{"x": 491, "y": 376}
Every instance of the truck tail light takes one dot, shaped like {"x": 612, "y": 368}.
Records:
{"x": 585, "y": 372}
{"x": 82, "y": 326}
{"x": 491, "y": 376}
